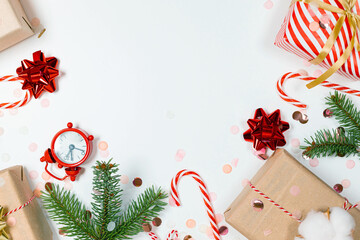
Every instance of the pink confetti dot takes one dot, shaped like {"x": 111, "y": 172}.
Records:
{"x": 37, "y": 192}
{"x": 317, "y": 73}
{"x": 209, "y": 233}
{"x": 40, "y": 185}
{"x": 33, "y": 147}
{"x": 314, "y": 26}
{"x": 259, "y": 153}
{"x": 180, "y": 154}
{"x": 307, "y": 63}
{"x": 295, "y": 142}
{"x": 190, "y": 223}
{"x": 227, "y": 169}
{"x": 350, "y": 164}
{"x": 68, "y": 186}
{"x": 103, "y": 146}
{"x": 45, "y": 176}
{"x": 104, "y": 154}
{"x": 17, "y": 93}
{"x": 11, "y": 221}
{"x": 267, "y": 232}
{"x": 294, "y": 190}
{"x": 268, "y": 4}
{"x": 219, "y": 217}
{"x": 13, "y": 111}
{"x": 213, "y": 196}
{"x": 35, "y": 21}
{"x": 325, "y": 19}
{"x": 346, "y": 183}
{"x": 297, "y": 214}
{"x": 1, "y": 131}
{"x": 303, "y": 72}
{"x": 33, "y": 174}
{"x": 314, "y": 162}
{"x": 245, "y": 182}
{"x": 235, "y": 162}
{"x": 124, "y": 179}
{"x": 234, "y": 129}
{"x": 45, "y": 103}
{"x": 1, "y": 113}
{"x": 172, "y": 202}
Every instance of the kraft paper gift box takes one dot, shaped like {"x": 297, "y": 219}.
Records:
{"x": 292, "y": 186}
{"x": 14, "y": 26}
{"x": 307, "y": 28}
{"x": 29, "y": 223}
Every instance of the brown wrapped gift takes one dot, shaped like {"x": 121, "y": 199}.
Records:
{"x": 14, "y": 26}
{"x": 15, "y": 190}
{"x": 278, "y": 178}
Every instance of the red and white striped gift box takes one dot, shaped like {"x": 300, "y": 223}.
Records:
{"x": 296, "y": 36}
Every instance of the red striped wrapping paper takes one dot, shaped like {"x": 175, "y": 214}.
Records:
{"x": 295, "y": 36}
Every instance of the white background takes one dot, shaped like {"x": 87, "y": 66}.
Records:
{"x": 153, "y": 77}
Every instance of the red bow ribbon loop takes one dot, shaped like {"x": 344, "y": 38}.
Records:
{"x": 39, "y": 74}
{"x": 266, "y": 130}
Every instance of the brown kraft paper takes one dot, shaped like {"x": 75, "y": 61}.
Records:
{"x": 15, "y": 190}
{"x": 280, "y": 174}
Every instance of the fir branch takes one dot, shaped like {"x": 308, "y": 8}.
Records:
{"x": 345, "y": 112}
{"x": 66, "y": 209}
{"x": 330, "y": 142}
{"x": 107, "y": 196}
{"x": 144, "y": 209}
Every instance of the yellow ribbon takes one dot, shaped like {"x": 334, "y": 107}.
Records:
{"x": 3, "y": 234}
{"x": 354, "y": 22}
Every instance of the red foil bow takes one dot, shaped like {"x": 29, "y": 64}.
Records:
{"x": 266, "y": 130}
{"x": 39, "y": 74}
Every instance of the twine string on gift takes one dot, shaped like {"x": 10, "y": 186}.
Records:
{"x": 18, "y": 208}
{"x": 205, "y": 195}
{"x": 292, "y": 75}
{"x": 347, "y": 16}
{"x": 172, "y": 235}
{"x": 347, "y": 206}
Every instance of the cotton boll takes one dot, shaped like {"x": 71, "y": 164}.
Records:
{"x": 342, "y": 220}
{"x": 316, "y": 226}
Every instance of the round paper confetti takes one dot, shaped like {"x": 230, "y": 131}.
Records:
{"x": 338, "y": 188}
{"x": 295, "y": 142}
{"x": 317, "y": 73}
{"x": 103, "y": 146}
{"x": 213, "y": 196}
{"x": 104, "y": 154}
{"x": 314, "y": 26}
{"x": 68, "y": 186}
{"x": 45, "y": 103}
{"x": 219, "y": 217}
{"x": 40, "y": 185}
{"x": 33, "y": 174}
{"x": 294, "y": 190}
{"x": 33, "y": 147}
{"x": 223, "y": 230}
{"x": 346, "y": 183}
{"x": 45, "y": 176}
{"x": 325, "y": 19}
{"x": 124, "y": 179}
{"x": 137, "y": 182}
{"x": 314, "y": 162}
{"x": 37, "y": 192}
{"x": 172, "y": 202}
{"x": 307, "y": 63}
{"x": 1, "y": 131}
{"x": 2, "y": 181}
{"x": 350, "y": 164}
{"x": 257, "y": 205}
{"x": 180, "y": 154}
{"x": 209, "y": 232}
{"x": 11, "y": 221}
{"x": 156, "y": 222}
{"x": 146, "y": 227}
{"x": 188, "y": 237}
{"x": 227, "y": 169}
{"x": 303, "y": 72}
{"x": 111, "y": 226}
{"x": 5, "y": 157}
{"x": 245, "y": 182}
{"x": 268, "y": 4}
{"x": 234, "y": 129}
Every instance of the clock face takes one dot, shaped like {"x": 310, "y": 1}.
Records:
{"x": 70, "y": 147}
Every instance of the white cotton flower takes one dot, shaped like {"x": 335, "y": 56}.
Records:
{"x": 318, "y": 226}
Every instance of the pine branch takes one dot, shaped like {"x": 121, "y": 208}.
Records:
{"x": 345, "y": 112}
{"x": 107, "y": 196}
{"x": 65, "y": 209}
{"x": 147, "y": 206}
{"x": 328, "y": 143}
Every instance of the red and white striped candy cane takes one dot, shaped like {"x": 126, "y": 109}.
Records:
{"x": 205, "y": 195}
{"x": 22, "y": 206}
{"x": 171, "y": 236}
{"x": 19, "y": 103}
{"x": 296, "y": 103}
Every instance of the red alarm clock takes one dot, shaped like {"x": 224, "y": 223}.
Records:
{"x": 69, "y": 148}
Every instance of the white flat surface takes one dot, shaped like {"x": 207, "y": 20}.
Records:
{"x": 153, "y": 77}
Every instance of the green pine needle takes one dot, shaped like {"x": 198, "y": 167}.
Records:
{"x": 333, "y": 142}
{"x": 76, "y": 221}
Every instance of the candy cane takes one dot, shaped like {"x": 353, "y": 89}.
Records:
{"x": 22, "y": 206}
{"x": 172, "y": 235}
{"x": 296, "y": 103}
{"x": 19, "y": 103}
{"x": 205, "y": 195}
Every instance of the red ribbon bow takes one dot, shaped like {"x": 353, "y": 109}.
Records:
{"x": 266, "y": 130}
{"x": 39, "y": 74}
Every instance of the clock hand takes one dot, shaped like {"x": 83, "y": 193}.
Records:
{"x": 72, "y": 159}
{"x": 67, "y": 155}
{"x": 82, "y": 151}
